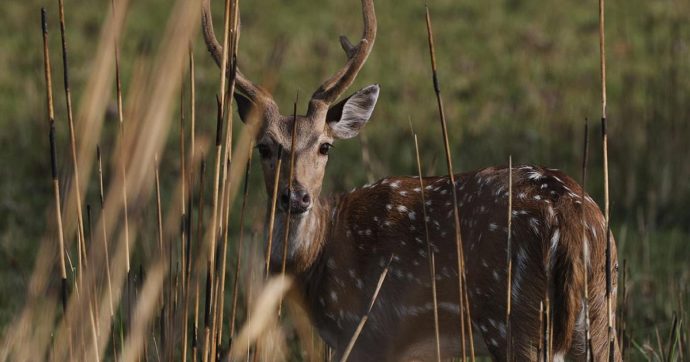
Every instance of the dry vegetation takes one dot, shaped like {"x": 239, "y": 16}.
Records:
{"x": 153, "y": 245}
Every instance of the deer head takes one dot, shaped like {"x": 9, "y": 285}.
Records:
{"x": 316, "y": 131}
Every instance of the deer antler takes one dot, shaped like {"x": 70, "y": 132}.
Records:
{"x": 251, "y": 90}
{"x": 357, "y": 55}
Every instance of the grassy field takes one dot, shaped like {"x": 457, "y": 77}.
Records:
{"x": 518, "y": 78}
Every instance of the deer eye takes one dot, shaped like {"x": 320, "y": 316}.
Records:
{"x": 264, "y": 151}
{"x": 324, "y": 148}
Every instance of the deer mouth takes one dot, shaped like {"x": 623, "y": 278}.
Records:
{"x": 296, "y": 211}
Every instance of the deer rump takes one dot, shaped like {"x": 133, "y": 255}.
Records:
{"x": 550, "y": 221}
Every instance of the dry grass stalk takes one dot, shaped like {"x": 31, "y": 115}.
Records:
{"x": 263, "y": 315}
{"x": 192, "y": 104}
{"x": 123, "y": 175}
{"x": 509, "y": 262}
{"x": 430, "y": 251}
{"x": 187, "y": 256}
{"x": 94, "y": 103}
{"x": 212, "y": 236}
{"x": 150, "y": 139}
{"x": 462, "y": 278}
{"x": 624, "y": 314}
{"x": 585, "y": 250}
{"x": 121, "y": 123}
{"x": 220, "y": 182}
{"x": 94, "y": 335}
{"x": 105, "y": 232}
{"x": 230, "y": 35}
{"x": 604, "y": 142}
{"x": 240, "y": 241}
{"x": 159, "y": 214}
{"x": 144, "y": 312}
{"x": 365, "y": 317}
{"x": 311, "y": 345}
{"x": 286, "y": 229}
{"x": 195, "y": 335}
{"x": 53, "y": 158}
{"x": 184, "y": 185}
{"x": 212, "y": 233}
{"x": 42, "y": 265}
{"x": 272, "y": 215}
{"x": 72, "y": 136}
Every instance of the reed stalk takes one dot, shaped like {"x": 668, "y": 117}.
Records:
{"x": 288, "y": 214}
{"x": 72, "y": 136}
{"x": 465, "y": 315}
{"x": 585, "y": 247}
{"x": 240, "y": 241}
{"x": 105, "y": 232}
{"x": 53, "y": 159}
{"x": 604, "y": 142}
{"x": 509, "y": 262}
{"x": 430, "y": 251}
{"x": 365, "y": 317}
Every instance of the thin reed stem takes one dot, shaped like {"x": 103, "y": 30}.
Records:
{"x": 585, "y": 246}
{"x": 195, "y": 335}
{"x": 509, "y": 262}
{"x": 188, "y": 224}
{"x": 229, "y": 36}
{"x": 105, "y": 232}
{"x": 120, "y": 117}
{"x": 159, "y": 213}
{"x": 286, "y": 231}
{"x": 430, "y": 250}
{"x": 72, "y": 136}
{"x": 192, "y": 103}
{"x": 240, "y": 241}
{"x": 272, "y": 216}
{"x": 609, "y": 282}
{"x": 465, "y": 315}
{"x": 365, "y": 317}
{"x": 53, "y": 159}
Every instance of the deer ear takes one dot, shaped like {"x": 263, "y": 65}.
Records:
{"x": 244, "y": 106}
{"x": 348, "y": 116}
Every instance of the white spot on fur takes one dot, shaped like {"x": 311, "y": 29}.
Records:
{"x": 534, "y": 175}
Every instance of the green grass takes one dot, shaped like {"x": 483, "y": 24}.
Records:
{"x": 517, "y": 77}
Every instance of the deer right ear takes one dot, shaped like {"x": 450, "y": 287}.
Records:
{"x": 348, "y": 116}
{"x": 244, "y": 106}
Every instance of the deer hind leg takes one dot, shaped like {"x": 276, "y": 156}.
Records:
{"x": 598, "y": 315}
{"x": 599, "y": 323}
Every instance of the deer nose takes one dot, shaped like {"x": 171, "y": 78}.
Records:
{"x": 298, "y": 201}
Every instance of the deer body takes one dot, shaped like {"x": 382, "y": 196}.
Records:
{"x": 338, "y": 246}
{"x": 352, "y": 237}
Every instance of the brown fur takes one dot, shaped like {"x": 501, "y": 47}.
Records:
{"x": 363, "y": 228}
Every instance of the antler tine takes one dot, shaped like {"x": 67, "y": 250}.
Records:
{"x": 357, "y": 55}
{"x": 251, "y": 90}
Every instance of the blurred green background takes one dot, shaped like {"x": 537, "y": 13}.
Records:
{"x": 518, "y": 77}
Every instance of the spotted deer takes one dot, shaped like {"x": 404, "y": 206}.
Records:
{"x": 338, "y": 245}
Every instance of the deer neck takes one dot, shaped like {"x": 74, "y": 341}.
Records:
{"x": 306, "y": 237}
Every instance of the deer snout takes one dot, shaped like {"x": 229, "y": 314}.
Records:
{"x": 298, "y": 201}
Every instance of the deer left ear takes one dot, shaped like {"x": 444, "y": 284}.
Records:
{"x": 348, "y": 116}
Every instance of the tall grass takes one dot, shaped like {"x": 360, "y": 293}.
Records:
{"x": 141, "y": 282}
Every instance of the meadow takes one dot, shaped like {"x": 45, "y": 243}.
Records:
{"x": 519, "y": 78}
